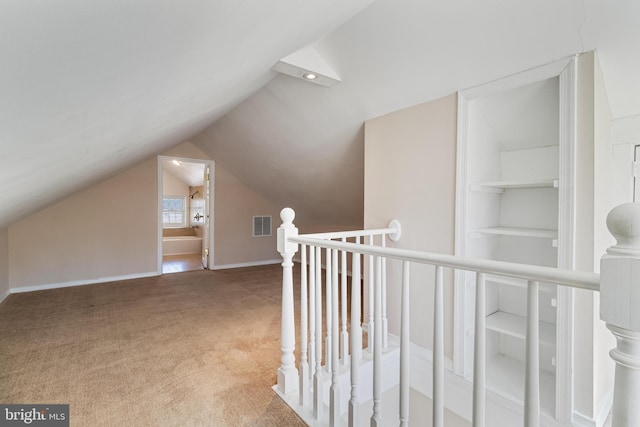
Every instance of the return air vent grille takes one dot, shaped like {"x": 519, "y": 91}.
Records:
{"x": 261, "y": 226}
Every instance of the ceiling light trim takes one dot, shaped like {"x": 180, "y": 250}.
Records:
{"x": 306, "y": 63}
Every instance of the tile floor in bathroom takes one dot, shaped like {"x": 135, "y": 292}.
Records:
{"x": 180, "y": 263}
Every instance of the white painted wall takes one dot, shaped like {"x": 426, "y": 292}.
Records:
{"x": 625, "y": 135}
{"x": 4, "y": 263}
{"x": 410, "y": 176}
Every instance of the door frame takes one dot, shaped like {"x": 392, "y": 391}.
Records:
{"x": 209, "y": 215}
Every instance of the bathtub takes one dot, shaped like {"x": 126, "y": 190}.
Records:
{"x": 179, "y": 245}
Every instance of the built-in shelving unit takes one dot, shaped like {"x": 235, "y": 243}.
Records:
{"x": 516, "y": 326}
{"x": 505, "y": 376}
{"x": 519, "y": 283}
{"x": 511, "y": 200}
{"x": 520, "y": 232}
{"x": 500, "y": 186}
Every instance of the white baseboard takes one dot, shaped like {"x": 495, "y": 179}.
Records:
{"x": 180, "y": 253}
{"x": 246, "y": 264}
{"x": 580, "y": 420}
{"x": 600, "y": 417}
{"x": 604, "y": 409}
{"x": 82, "y": 282}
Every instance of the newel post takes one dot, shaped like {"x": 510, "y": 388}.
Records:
{"x": 287, "y": 373}
{"x": 620, "y": 309}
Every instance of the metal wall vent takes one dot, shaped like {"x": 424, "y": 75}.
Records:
{"x": 261, "y": 226}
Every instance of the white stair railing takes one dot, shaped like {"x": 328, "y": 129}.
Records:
{"x": 326, "y": 344}
{"x": 619, "y": 284}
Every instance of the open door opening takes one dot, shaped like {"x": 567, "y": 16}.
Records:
{"x": 185, "y": 208}
{"x": 207, "y": 217}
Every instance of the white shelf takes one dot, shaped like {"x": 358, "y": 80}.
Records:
{"x": 519, "y": 232}
{"x": 505, "y": 376}
{"x": 520, "y": 283}
{"x": 500, "y": 186}
{"x": 516, "y": 326}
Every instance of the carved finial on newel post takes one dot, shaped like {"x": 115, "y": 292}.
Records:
{"x": 620, "y": 309}
{"x": 287, "y": 373}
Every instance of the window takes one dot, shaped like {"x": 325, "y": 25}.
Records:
{"x": 174, "y": 211}
{"x": 261, "y": 226}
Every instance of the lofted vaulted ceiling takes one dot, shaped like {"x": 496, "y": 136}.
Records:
{"x": 90, "y": 88}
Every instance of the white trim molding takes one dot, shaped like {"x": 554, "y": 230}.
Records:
{"x": 600, "y": 417}
{"x": 246, "y": 264}
{"x": 460, "y": 235}
{"x": 568, "y": 80}
{"x": 18, "y": 290}
{"x": 523, "y": 78}
{"x": 212, "y": 165}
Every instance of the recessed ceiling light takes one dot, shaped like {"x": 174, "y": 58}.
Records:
{"x": 307, "y": 64}
{"x": 177, "y": 162}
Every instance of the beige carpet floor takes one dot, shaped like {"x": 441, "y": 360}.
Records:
{"x": 198, "y": 348}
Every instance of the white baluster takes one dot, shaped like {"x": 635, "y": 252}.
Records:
{"x": 438, "y": 350}
{"x": 404, "y": 346}
{"x": 385, "y": 322}
{"x": 344, "y": 335}
{"x": 479, "y": 354}
{"x": 287, "y": 373}
{"x": 371, "y": 326}
{"x": 328, "y": 301}
{"x": 317, "y": 379}
{"x": 304, "y": 366}
{"x": 334, "y": 391}
{"x": 376, "y": 417}
{"x": 356, "y": 338}
{"x": 619, "y": 302}
{"x": 312, "y": 313}
{"x": 532, "y": 360}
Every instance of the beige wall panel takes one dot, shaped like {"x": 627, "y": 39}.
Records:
{"x": 235, "y": 206}
{"x": 410, "y": 167}
{"x": 107, "y": 230}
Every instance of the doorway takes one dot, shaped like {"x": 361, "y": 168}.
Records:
{"x": 185, "y": 232}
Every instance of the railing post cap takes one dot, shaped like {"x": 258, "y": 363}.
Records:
{"x": 287, "y": 215}
{"x": 623, "y": 223}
